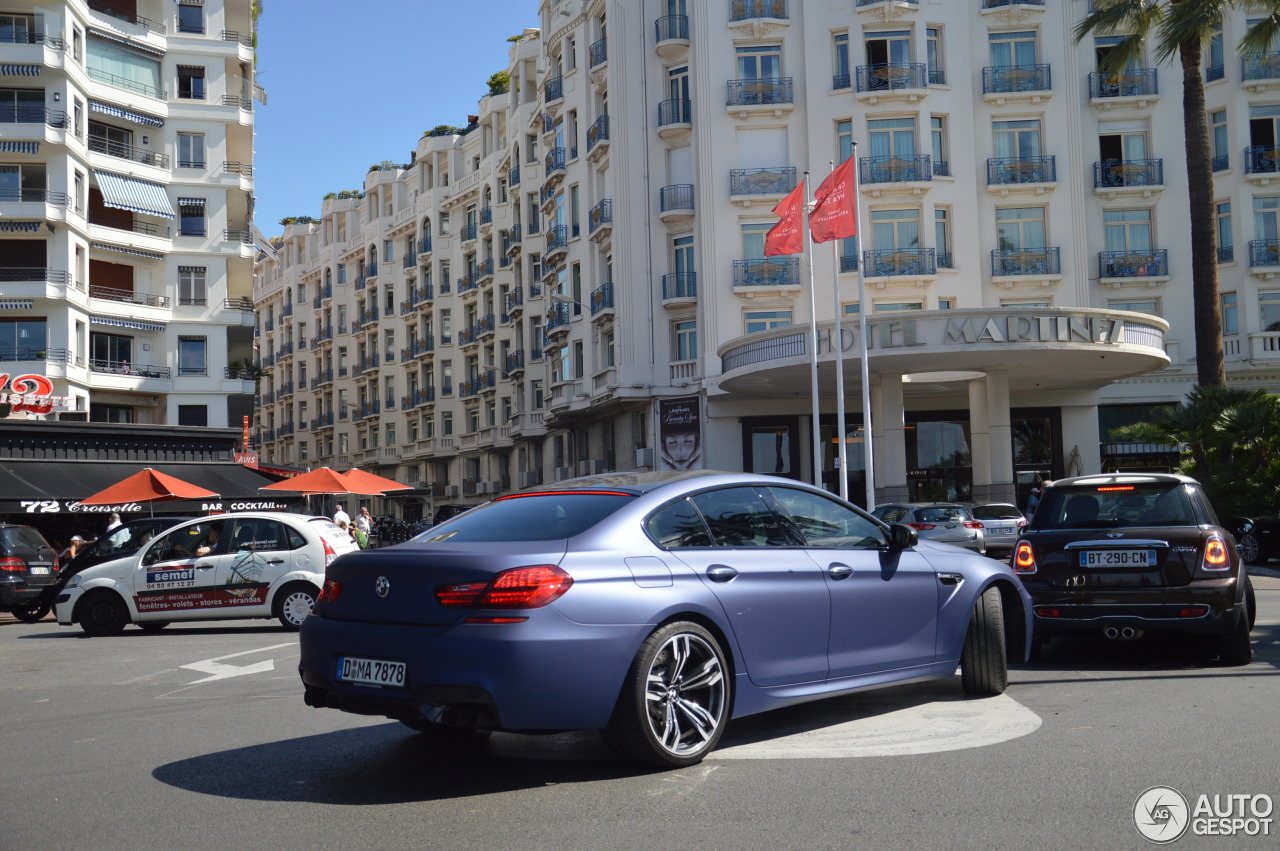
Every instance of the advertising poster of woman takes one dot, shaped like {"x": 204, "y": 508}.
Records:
{"x": 679, "y": 434}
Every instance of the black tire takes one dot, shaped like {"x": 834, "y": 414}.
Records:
{"x": 102, "y": 612}
{"x": 1235, "y": 648}
{"x": 1251, "y": 601}
{"x": 675, "y": 701}
{"x": 152, "y": 626}
{"x": 1250, "y": 549}
{"x": 31, "y": 612}
{"x": 293, "y": 603}
{"x": 984, "y": 663}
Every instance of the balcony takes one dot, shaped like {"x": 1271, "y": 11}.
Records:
{"x": 137, "y": 20}
{"x": 769, "y": 273}
{"x": 553, "y": 164}
{"x": 409, "y": 260}
{"x": 757, "y": 18}
{"x": 1260, "y": 71}
{"x": 671, "y": 35}
{"x": 1260, "y": 164}
{"x": 899, "y": 263}
{"x": 755, "y": 97}
{"x": 749, "y": 185}
{"x": 128, "y": 296}
{"x": 469, "y": 232}
{"x": 893, "y": 175}
{"x": 133, "y": 370}
{"x": 1016, "y": 84}
{"x": 467, "y": 283}
{"x": 325, "y": 377}
{"x": 511, "y": 241}
{"x": 24, "y": 113}
{"x": 903, "y": 4}
{"x": 598, "y": 138}
{"x": 1151, "y": 265}
{"x": 1025, "y": 262}
{"x": 557, "y": 319}
{"x": 1140, "y": 178}
{"x": 675, "y": 203}
{"x": 1136, "y": 87}
{"x": 1264, "y": 257}
{"x": 122, "y": 151}
{"x": 600, "y": 219}
{"x": 10, "y": 354}
{"x": 894, "y": 81}
{"x": 557, "y": 241}
{"x": 1010, "y": 175}
{"x": 484, "y": 270}
{"x": 514, "y": 363}
{"x": 602, "y": 301}
{"x": 424, "y": 246}
{"x": 513, "y": 176}
{"x": 598, "y": 53}
{"x": 118, "y": 82}
{"x": 514, "y": 301}
{"x": 997, "y": 4}
{"x": 675, "y": 118}
{"x": 553, "y": 89}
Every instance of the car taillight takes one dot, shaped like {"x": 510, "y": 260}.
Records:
{"x": 1022, "y": 523}
{"x": 517, "y": 588}
{"x": 974, "y": 524}
{"x": 329, "y": 552}
{"x": 1215, "y": 554}
{"x": 1024, "y": 558}
{"x": 330, "y": 591}
{"x": 11, "y": 563}
{"x": 57, "y": 564}
{"x": 921, "y": 527}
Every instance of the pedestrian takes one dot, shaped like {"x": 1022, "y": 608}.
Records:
{"x": 72, "y": 550}
{"x": 341, "y": 517}
{"x": 115, "y": 521}
{"x": 358, "y": 535}
{"x": 1032, "y": 501}
{"x": 364, "y": 520}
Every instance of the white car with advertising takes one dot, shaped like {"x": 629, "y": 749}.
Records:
{"x": 252, "y": 565}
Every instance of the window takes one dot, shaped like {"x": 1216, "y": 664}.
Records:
{"x": 938, "y": 145}
{"x": 887, "y": 48}
{"x": 942, "y": 235}
{"x": 1020, "y": 227}
{"x": 1218, "y": 139}
{"x": 191, "y": 217}
{"x": 446, "y": 423}
{"x": 1146, "y": 305}
{"x": 191, "y": 149}
{"x": 191, "y": 82}
{"x": 1214, "y": 63}
{"x": 575, "y": 283}
{"x": 1229, "y": 307}
{"x": 895, "y": 230}
{"x": 840, "y": 61}
{"x": 1127, "y": 230}
{"x": 110, "y": 414}
{"x": 1226, "y": 242}
{"x": 192, "y": 285}
{"x": 763, "y": 320}
{"x": 110, "y": 351}
{"x": 946, "y": 304}
{"x": 933, "y": 56}
{"x": 1269, "y": 305}
{"x": 1018, "y": 140}
{"x": 190, "y": 18}
{"x": 760, "y": 63}
{"x": 684, "y": 340}
{"x": 738, "y": 517}
{"x": 826, "y": 523}
{"x": 896, "y": 306}
{"x": 1013, "y": 49}
{"x": 193, "y": 415}
{"x": 22, "y": 339}
{"x": 388, "y": 251}
{"x": 342, "y": 273}
{"x": 112, "y": 141}
{"x": 192, "y": 356}
{"x": 121, "y": 67}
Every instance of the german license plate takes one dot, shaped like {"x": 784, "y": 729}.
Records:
{"x": 371, "y": 672}
{"x": 39, "y": 571}
{"x": 1117, "y": 558}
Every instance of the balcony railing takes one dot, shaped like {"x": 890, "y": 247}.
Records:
{"x": 557, "y": 316}
{"x": 129, "y": 297}
{"x": 553, "y": 161}
{"x": 424, "y": 245}
{"x": 892, "y": 75}
{"x": 30, "y": 113}
{"x": 893, "y": 262}
{"x": 1261, "y": 159}
{"x": 513, "y": 176}
{"x": 553, "y": 89}
{"x": 1134, "y": 83}
{"x": 469, "y": 232}
{"x": 1016, "y": 78}
{"x": 484, "y": 269}
{"x": 675, "y": 112}
{"x": 767, "y": 272}
{"x": 1151, "y": 263}
{"x": 598, "y": 53}
{"x": 677, "y": 197}
{"x": 1112, "y": 174}
{"x": 600, "y": 214}
{"x": 672, "y": 28}
{"x": 123, "y": 367}
{"x": 515, "y": 361}
{"x": 514, "y": 299}
{"x": 762, "y": 181}
{"x": 511, "y": 239}
{"x": 137, "y": 20}
{"x": 33, "y": 353}
{"x": 598, "y": 132}
{"x": 127, "y": 84}
{"x": 125, "y": 221}
{"x": 1264, "y": 252}
{"x": 1260, "y": 66}
{"x": 996, "y": 4}
{"x": 1025, "y": 261}
{"x": 34, "y": 196}
{"x": 557, "y": 238}
{"x": 761, "y": 92}
{"x": 244, "y": 237}
{"x": 128, "y": 152}
{"x": 1003, "y": 171}
{"x": 743, "y": 10}
{"x": 891, "y": 169}
{"x": 409, "y": 260}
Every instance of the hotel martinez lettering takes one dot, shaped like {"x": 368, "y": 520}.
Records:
{"x": 1017, "y": 328}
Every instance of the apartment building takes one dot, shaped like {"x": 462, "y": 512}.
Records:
{"x": 126, "y": 207}
{"x": 576, "y": 281}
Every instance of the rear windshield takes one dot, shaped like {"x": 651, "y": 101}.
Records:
{"x": 996, "y": 512}
{"x": 1108, "y": 506}
{"x": 536, "y": 517}
{"x": 941, "y": 513}
{"x": 22, "y": 537}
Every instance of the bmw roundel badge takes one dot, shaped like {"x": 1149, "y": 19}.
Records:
{"x": 382, "y": 586}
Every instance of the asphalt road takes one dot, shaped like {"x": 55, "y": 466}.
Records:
{"x": 198, "y": 738}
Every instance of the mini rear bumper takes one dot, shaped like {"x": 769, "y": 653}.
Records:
{"x": 1206, "y": 607}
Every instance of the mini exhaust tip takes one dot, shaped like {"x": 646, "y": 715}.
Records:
{"x": 1127, "y": 632}
{"x": 1111, "y": 632}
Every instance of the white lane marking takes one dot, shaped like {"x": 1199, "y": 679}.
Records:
{"x": 220, "y": 671}
{"x": 143, "y": 677}
{"x": 932, "y": 727}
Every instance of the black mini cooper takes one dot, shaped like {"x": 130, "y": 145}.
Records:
{"x": 1127, "y": 554}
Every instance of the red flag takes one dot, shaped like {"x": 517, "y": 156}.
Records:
{"x": 835, "y": 210}
{"x": 785, "y": 236}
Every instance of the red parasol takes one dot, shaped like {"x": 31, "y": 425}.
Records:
{"x": 322, "y": 480}
{"x": 148, "y": 485}
{"x": 382, "y": 483}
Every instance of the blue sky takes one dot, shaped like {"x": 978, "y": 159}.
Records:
{"x": 349, "y": 90}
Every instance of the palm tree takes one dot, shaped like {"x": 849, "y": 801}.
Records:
{"x": 1183, "y": 27}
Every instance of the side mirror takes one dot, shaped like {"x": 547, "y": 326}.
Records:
{"x": 902, "y": 536}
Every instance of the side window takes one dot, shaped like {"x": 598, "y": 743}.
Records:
{"x": 738, "y": 517}
{"x": 258, "y": 534}
{"x": 678, "y": 526}
{"x": 826, "y": 523}
{"x": 186, "y": 542}
{"x": 892, "y": 514}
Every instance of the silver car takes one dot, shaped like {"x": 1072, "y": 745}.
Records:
{"x": 944, "y": 522}
{"x": 1001, "y": 524}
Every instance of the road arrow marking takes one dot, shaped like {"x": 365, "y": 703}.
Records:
{"x": 219, "y": 671}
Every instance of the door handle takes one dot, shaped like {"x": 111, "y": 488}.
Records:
{"x": 275, "y": 561}
{"x": 204, "y": 567}
{"x": 840, "y": 571}
{"x": 721, "y": 573}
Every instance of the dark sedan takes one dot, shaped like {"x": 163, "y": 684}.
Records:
{"x": 1128, "y": 554}
{"x": 655, "y": 607}
{"x": 1258, "y": 538}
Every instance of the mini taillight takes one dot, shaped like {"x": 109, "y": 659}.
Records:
{"x": 920, "y": 527}
{"x": 329, "y": 552}
{"x": 11, "y": 563}
{"x": 1215, "y": 554}
{"x": 1024, "y": 558}
{"x": 1046, "y": 612}
{"x": 331, "y": 590}
{"x": 517, "y": 588}
{"x": 974, "y": 524}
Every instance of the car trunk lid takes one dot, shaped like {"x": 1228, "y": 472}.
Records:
{"x": 1130, "y": 557}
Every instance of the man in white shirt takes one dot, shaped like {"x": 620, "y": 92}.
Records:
{"x": 340, "y": 516}
{"x": 364, "y": 520}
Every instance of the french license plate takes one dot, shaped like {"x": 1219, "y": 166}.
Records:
{"x": 39, "y": 571}
{"x": 1117, "y": 558}
{"x": 371, "y": 672}
{"x": 1001, "y": 530}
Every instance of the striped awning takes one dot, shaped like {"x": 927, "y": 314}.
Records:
{"x": 119, "y": 39}
{"x": 16, "y": 304}
{"x": 126, "y": 114}
{"x": 138, "y": 196}
{"x": 19, "y": 147}
{"x": 116, "y": 322}
{"x": 24, "y": 227}
{"x": 8, "y": 69}
{"x": 191, "y": 202}
{"x": 136, "y": 252}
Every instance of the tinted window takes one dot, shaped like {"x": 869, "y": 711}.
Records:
{"x": 532, "y": 517}
{"x": 996, "y": 512}
{"x": 827, "y": 523}
{"x": 678, "y": 525}
{"x": 892, "y": 513}
{"x": 1154, "y": 504}
{"x": 738, "y": 517}
{"x": 941, "y": 514}
{"x": 23, "y": 537}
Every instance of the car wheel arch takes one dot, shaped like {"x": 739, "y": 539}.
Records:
{"x": 725, "y": 637}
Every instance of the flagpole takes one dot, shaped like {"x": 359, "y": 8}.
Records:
{"x": 868, "y": 456}
{"x": 843, "y": 457}
{"x": 813, "y": 347}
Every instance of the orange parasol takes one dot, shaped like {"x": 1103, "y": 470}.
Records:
{"x": 149, "y": 486}
{"x": 382, "y": 483}
{"x": 322, "y": 480}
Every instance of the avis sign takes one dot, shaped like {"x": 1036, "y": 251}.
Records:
{"x": 32, "y": 393}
